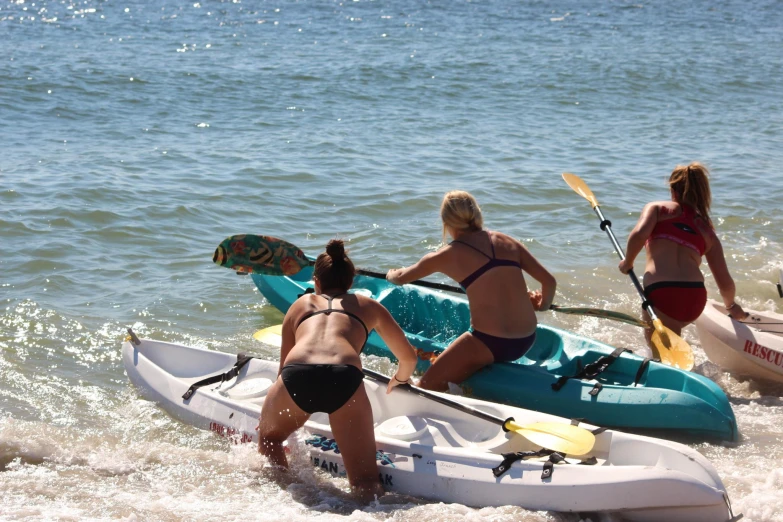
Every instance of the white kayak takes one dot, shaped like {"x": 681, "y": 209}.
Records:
{"x": 433, "y": 451}
{"x": 753, "y": 347}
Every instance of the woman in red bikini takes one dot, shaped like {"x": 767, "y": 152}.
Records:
{"x": 676, "y": 234}
{"x": 489, "y": 266}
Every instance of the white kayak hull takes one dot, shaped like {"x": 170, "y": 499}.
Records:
{"x": 752, "y": 348}
{"x": 432, "y": 451}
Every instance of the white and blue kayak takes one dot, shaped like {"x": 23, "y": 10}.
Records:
{"x": 434, "y": 451}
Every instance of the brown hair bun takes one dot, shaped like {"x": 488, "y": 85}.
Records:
{"x": 333, "y": 268}
{"x": 336, "y": 250}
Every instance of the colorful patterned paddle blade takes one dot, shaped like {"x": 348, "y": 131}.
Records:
{"x": 252, "y": 254}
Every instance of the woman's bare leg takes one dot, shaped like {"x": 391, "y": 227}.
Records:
{"x": 353, "y": 430}
{"x": 280, "y": 417}
{"x": 463, "y": 358}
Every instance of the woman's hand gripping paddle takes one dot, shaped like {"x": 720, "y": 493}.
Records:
{"x": 560, "y": 437}
{"x": 671, "y": 348}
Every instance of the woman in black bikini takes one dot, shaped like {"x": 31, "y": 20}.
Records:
{"x": 489, "y": 266}
{"x": 320, "y": 369}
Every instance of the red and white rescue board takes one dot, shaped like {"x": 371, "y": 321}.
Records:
{"x": 753, "y": 347}
{"x": 430, "y": 450}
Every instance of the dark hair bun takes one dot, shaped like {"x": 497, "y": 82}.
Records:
{"x": 333, "y": 268}
{"x": 336, "y": 250}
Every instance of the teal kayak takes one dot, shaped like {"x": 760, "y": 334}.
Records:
{"x": 628, "y": 393}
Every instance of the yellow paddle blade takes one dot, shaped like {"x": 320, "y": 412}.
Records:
{"x": 563, "y": 438}
{"x": 580, "y": 187}
{"x": 672, "y": 349}
{"x": 272, "y": 335}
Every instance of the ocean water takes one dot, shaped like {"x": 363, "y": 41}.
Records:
{"x": 136, "y": 135}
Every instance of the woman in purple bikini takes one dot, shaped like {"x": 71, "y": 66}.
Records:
{"x": 489, "y": 266}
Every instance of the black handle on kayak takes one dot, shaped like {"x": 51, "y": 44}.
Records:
{"x": 437, "y": 398}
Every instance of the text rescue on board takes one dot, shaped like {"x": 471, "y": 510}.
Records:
{"x": 764, "y": 353}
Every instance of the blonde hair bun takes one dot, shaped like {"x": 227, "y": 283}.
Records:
{"x": 460, "y": 211}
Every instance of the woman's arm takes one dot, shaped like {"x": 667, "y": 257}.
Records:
{"x": 395, "y": 339}
{"x": 720, "y": 271}
{"x": 288, "y": 335}
{"x": 537, "y": 271}
{"x": 429, "y": 264}
{"x": 639, "y": 235}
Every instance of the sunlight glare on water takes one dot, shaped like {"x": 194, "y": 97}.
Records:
{"x": 136, "y": 136}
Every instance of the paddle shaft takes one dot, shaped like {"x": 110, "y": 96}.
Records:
{"x": 606, "y": 226}
{"x": 595, "y": 312}
{"x": 418, "y": 282}
{"x": 272, "y": 249}
{"x": 437, "y": 398}
{"x": 601, "y": 314}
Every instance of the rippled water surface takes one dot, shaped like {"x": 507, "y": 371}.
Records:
{"x": 137, "y": 135}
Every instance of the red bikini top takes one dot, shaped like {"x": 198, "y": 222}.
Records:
{"x": 682, "y": 230}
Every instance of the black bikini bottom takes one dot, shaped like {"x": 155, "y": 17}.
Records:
{"x": 505, "y": 350}
{"x": 321, "y": 387}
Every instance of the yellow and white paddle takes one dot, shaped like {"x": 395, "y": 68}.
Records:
{"x": 563, "y": 438}
{"x": 670, "y": 347}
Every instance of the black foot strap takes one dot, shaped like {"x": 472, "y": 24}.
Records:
{"x": 591, "y": 371}
{"x": 510, "y": 458}
{"x": 640, "y": 371}
{"x": 242, "y": 360}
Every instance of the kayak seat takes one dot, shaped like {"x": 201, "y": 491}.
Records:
{"x": 546, "y": 351}
{"x": 427, "y": 315}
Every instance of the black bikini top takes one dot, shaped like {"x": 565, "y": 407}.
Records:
{"x": 330, "y": 310}
{"x": 489, "y": 265}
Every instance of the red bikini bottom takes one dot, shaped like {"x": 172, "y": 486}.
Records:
{"x": 680, "y": 300}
